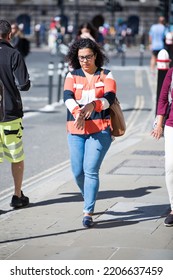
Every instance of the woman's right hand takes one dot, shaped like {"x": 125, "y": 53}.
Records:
{"x": 84, "y": 113}
{"x": 87, "y": 110}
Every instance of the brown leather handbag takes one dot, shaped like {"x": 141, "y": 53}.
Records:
{"x": 118, "y": 125}
{"x": 117, "y": 119}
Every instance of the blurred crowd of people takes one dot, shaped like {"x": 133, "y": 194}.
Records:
{"x": 58, "y": 37}
{"x": 55, "y": 33}
{"x": 160, "y": 37}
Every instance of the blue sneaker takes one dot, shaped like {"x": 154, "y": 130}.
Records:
{"x": 87, "y": 221}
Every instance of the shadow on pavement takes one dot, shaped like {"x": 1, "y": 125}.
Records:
{"x": 76, "y": 196}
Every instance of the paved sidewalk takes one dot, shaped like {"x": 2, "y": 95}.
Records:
{"x": 129, "y": 215}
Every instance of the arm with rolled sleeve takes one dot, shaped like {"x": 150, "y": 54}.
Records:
{"x": 157, "y": 132}
{"x": 164, "y": 94}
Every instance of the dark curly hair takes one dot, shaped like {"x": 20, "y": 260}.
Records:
{"x": 72, "y": 56}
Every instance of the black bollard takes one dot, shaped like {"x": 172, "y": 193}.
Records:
{"x": 65, "y": 70}
{"x": 59, "y": 74}
{"x": 50, "y": 75}
{"x": 162, "y": 66}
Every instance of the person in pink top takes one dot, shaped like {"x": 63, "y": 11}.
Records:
{"x": 165, "y": 97}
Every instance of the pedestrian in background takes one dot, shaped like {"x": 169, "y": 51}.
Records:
{"x": 52, "y": 38}
{"x": 87, "y": 30}
{"x": 12, "y": 69}
{"x": 37, "y": 34}
{"x": 156, "y": 41}
{"x": 56, "y": 34}
{"x": 88, "y": 97}
{"x": 166, "y": 95}
{"x": 19, "y": 41}
{"x": 43, "y": 31}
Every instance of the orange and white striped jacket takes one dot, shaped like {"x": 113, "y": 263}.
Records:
{"x": 78, "y": 92}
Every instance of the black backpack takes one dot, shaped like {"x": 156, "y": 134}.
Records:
{"x": 23, "y": 46}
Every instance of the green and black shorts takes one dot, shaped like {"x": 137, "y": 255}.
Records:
{"x": 11, "y": 144}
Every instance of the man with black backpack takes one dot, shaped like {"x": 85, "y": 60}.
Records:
{"x": 14, "y": 78}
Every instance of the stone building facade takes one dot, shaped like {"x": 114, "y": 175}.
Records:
{"x": 73, "y": 12}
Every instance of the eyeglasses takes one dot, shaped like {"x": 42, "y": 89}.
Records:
{"x": 87, "y": 57}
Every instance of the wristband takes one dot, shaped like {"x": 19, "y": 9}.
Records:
{"x": 94, "y": 104}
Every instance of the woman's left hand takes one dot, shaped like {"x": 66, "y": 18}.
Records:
{"x": 87, "y": 110}
{"x": 157, "y": 132}
{"x": 79, "y": 121}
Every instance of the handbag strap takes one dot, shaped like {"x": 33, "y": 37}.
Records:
{"x": 102, "y": 75}
{"x": 170, "y": 90}
{"x": 102, "y": 80}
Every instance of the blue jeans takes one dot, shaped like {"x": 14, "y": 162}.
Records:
{"x": 86, "y": 154}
